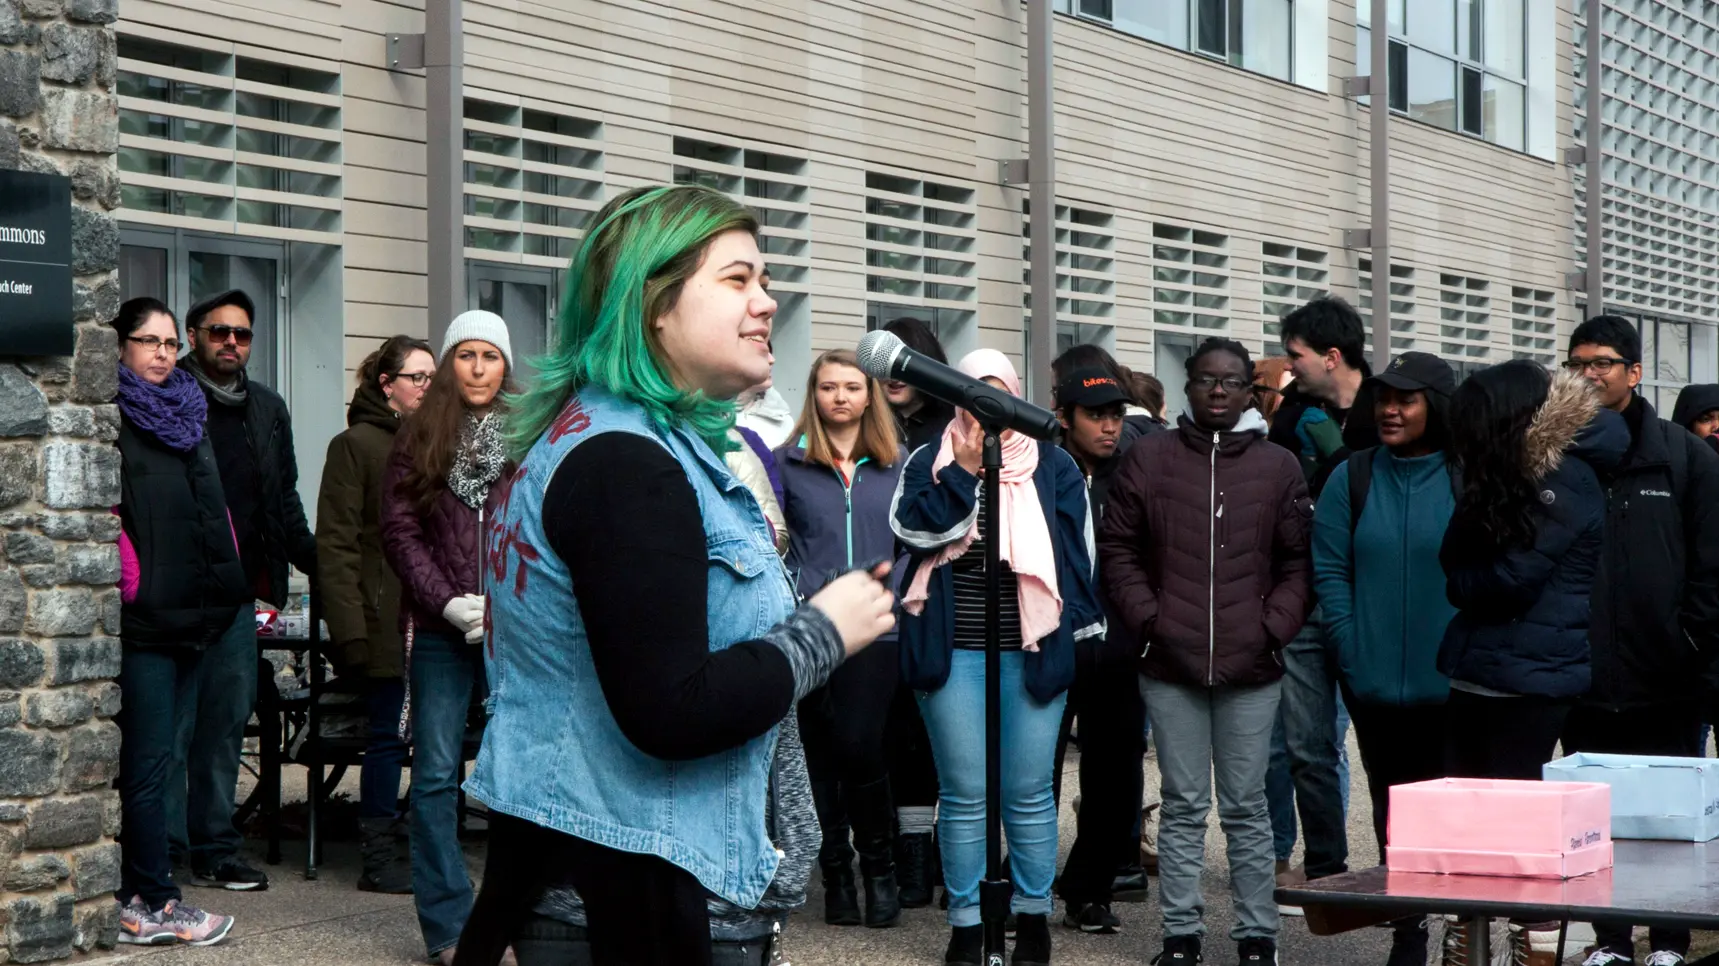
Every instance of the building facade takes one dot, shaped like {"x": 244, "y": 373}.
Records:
{"x": 1660, "y": 209}
{"x": 1208, "y": 168}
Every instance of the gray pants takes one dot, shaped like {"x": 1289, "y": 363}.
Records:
{"x": 1198, "y": 730}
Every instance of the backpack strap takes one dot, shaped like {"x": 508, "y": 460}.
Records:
{"x": 1360, "y": 481}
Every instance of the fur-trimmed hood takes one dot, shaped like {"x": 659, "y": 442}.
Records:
{"x": 1571, "y": 421}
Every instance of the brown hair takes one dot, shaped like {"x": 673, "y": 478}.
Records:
{"x": 1147, "y": 391}
{"x": 431, "y": 434}
{"x": 1267, "y": 376}
{"x": 389, "y": 357}
{"x": 877, "y": 439}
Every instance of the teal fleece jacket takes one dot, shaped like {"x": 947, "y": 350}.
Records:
{"x": 1383, "y": 591}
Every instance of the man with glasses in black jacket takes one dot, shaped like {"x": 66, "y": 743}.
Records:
{"x": 1655, "y": 602}
{"x": 252, "y": 437}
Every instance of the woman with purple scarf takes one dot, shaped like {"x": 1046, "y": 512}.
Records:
{"x": 181, "y": 585}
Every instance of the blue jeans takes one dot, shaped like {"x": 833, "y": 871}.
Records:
{"x": 955, "y": 721}
{"x": 385, "y": 753}
{"x": 154, "y": 684}
{"x": 1280, "y": 787}
{"x": 1316, "y": 749}
{"x": 209, "y": 736}
{"x": 447, "y": 677}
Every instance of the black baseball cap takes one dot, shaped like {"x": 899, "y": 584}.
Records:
{"x": 1416, "y": 371}
{"x": 1092, "y": 388}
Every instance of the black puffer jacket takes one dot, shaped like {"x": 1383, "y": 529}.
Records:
{"x": 1522, "y": 615}
{"x": 1656, "y": 596}
{"x": 190, "y": 581}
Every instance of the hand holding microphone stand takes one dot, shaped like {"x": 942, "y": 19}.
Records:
{"x": 885, "y": 357}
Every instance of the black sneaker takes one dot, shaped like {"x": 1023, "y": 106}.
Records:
{"x": 1179, "y": 951}
{"x": 1093, "y": 917}
{"x": 1257, "y": 951}
{"x": 233, "y": 874}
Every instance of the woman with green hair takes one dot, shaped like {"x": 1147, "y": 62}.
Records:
{"x": 645, "y": 650}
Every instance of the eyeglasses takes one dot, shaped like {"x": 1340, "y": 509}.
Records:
{"x": 1599, "y": 366}
{"x": 1207, "y": 383}
{"x": 152, "y": 344}
{"x": 415, "y": 378}
{"x": 221, "y": 333}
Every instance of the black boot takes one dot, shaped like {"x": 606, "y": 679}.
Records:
{"x": 1032, "y": 940}
{"x": 1409, "y": 942}
{"x": 966, "y": 946}
{"x": 873, "y": 817}
{"x": 913, "y": 869}
{"x": 835, "y": 856}
{"x": 387, "y": 866}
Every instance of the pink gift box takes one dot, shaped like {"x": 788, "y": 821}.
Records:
{"x": 1484, "y": 826}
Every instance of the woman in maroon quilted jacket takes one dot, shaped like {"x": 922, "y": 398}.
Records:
{"x": 441, "y": 485}
{"x": 1204, "y": 551}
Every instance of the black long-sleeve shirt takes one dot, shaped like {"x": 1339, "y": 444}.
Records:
{"x": 623, "y": 517}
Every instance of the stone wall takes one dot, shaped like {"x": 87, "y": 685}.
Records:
{"x": 59, "y": 475}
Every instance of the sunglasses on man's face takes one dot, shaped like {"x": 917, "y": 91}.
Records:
{"x": 221, "y": 333}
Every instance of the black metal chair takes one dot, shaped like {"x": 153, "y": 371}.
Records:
{"x": 290, "y": 730}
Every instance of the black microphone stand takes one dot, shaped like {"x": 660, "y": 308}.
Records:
{"x": 996, "y": 890}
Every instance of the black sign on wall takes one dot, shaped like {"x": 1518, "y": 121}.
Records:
{"x": 35, "y": 264}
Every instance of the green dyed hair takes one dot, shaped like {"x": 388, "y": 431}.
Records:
{"x": 630, "y": 269}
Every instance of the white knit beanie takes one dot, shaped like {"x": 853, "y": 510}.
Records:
{"x": 482, "y": 326}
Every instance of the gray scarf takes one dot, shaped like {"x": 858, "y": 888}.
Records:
{"x": 233, "y": 395}
{"x": 477, "y": 459}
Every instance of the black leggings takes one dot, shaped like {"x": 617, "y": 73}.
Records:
{"x": 1399, "y": 745}
{"x": 639, "y": 909}
{"x": 912, "y": 770}
{"x": 1512, "y": 737}
{"x": 842, "y": 723}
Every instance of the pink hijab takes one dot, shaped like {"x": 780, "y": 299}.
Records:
{"x": 1026, "y": 541}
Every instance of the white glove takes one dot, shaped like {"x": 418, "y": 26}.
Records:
{"x": 465, "y": 613}
{"x": 475, "y": 634}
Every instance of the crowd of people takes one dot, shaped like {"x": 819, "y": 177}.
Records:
{"x": 711, "y": 645}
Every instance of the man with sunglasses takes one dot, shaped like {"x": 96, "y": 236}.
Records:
{"x": 252, "y": 437}
{"x": 1654, "y": 620}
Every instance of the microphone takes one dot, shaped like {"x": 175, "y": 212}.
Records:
{"x": 885, "y": 357}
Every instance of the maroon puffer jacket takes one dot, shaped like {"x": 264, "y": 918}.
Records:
{"x": 1205, "y": 555}
{"x": 435, "y": 551}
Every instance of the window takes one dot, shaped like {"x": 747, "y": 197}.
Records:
{"x": 921, "y": 254}
{"x": 1457, "y": 64}
{"x": 1085, "y": 274}
{"x": 244, "y": 146}
{"x": 533, "y": 179}
{"x": 1255, "y": 35}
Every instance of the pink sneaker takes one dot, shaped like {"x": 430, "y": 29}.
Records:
{"x": 193, "y": 926}
{"x": 140, "y": 927}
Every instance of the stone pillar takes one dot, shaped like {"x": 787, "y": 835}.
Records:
{"x": 59, "y": 476}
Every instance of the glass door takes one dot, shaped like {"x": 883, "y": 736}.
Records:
{"x": 525, "y": 298}
{"x": 211, "y": 271}
{"x": 182, "y": 269}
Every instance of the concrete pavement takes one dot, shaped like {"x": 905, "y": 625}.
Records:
{"x": 329, "y": 923}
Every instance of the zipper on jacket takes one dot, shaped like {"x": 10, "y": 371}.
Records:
{"x": 1212, "y": 572}
{"x": 1403, "y": 665}
{"x": 848, "y": 498}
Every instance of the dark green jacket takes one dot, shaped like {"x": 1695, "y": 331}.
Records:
{"x": 360, "y": 594}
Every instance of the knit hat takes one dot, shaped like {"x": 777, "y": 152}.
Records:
{"x": 482, "y": 326}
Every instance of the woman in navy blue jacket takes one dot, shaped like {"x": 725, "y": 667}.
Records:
{"x": 1048, "y": 603}
{"x": 1519, "y": 557}
{"x": 839, "y": 471}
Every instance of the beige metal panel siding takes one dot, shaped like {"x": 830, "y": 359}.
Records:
{"x": 932, "y": 91}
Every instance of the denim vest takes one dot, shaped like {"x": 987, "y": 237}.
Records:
{"x": 552, "y": 753}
